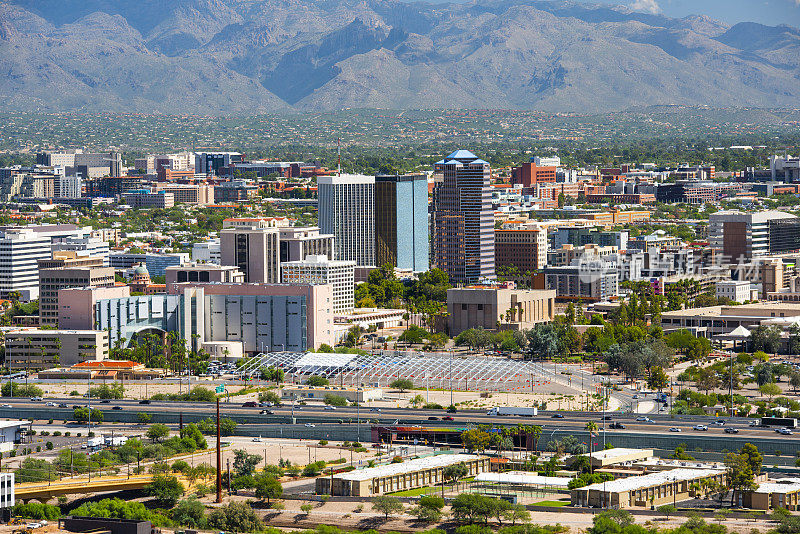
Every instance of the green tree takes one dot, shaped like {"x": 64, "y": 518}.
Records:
{"x": 666, "y": 510}
{"x": 658, "y": 379}
{"x": 475, "y": 440}
{"x": 428, "y": 509}
{"x": 387, "y": 505}
{"x": 189, "y": 512}
{"x": 244, "y": 463}
{"x": 317, "y": 381}
{"x": 335, "y": 400}
{"x": 235, "y": 517}
{"x": 402, "y": 384}
{"x": 454, "y": 472}
{"x": 157, "y": 432}
{"x": 770, "y": 389}
{"x": 166, "y": 489}
{"x": 267, "y": 487}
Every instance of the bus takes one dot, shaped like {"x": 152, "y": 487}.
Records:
{"x": 788, "y": 422}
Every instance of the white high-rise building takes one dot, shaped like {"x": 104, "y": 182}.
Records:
{"x": 20, "y": 251}
{"x": 69, "y": 186}
{"x": 347, "y": 210}
{"x": 319, "y": 270}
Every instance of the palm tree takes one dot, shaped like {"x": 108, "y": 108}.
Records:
{"x": 591, "y": 427}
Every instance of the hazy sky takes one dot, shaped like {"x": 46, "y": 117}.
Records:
{"x": 772, "y": 12}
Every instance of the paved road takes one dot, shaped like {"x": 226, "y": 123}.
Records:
{"x": 317, "y": 414}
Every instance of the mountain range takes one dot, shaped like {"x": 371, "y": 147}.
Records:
{"x": 217, "y": 57}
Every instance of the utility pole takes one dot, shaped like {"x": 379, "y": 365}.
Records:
{"x": 219, "y": 460}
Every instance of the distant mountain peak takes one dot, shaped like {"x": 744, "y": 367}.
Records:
{"x": 245, "y": 56}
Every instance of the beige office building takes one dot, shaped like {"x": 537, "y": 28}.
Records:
{"x": 76, "y": 310}
{"x": 252, "y": 246}
{"x": 42, "y": 349}
{"x": 52, "y": 279}
{"x": 485, "y": 306}
{"x": 655, "y": 489}
{"x": 408, "y": 475}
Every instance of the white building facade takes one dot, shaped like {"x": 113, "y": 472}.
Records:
{"x": 319, "y": 270}
{"x": 347, "y": 210}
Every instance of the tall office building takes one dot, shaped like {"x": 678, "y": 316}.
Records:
{"x": 463, "y": 222}
{"x": 347, "y": 210}
{"x": 73, "y": 271}
{"x": 742, "y": 236}
{"x": 252, "y": 246}
{"x": 20, "y": 251}
{"x": 401, "y": 221}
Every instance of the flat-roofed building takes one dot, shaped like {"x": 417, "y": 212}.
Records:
{"x": 76, "y": 309}
{"x": 654, "y": 489}
{"x": 735, "y": 290}
{"x": 340, "y": 275}
{"x": 36, "y": 349}
{"x": 203, "y": 272}
{"x": 485, "y": 306}
{"x": 252, "y": 246}
{"x": 144, "y": 198}
{"x": 347, "y": 211}
{"x": 20, "y": 251}
{"x": 780, "y": 493}
{"x": 54, "y": 279}
{"x": 297, "y": 242}
{"x": 714, "y": 320}
{"x": 520, "y": 246}
{"x": 408, "y": 475}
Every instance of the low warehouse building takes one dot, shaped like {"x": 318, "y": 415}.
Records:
{"x": 411, "y": 474}
{"x": 782, "y": 493}
{"x": 664, "y": 487}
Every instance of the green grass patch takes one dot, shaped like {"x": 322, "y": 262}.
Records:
{"x": 552, "y": 503}
{"x": 416, "y": 492}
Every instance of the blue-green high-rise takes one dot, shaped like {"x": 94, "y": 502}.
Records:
{"x": 401, "y": 221}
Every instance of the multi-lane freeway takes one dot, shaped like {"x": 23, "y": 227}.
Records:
{"x": 124, "y": 410}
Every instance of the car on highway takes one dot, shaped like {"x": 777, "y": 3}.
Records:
{"x": 266, "y": 412}
{"x": 105, "y": 401}
{"x": 63, "y": 405}
{"x": 50, "y": 404}
{"x": 36, "y": 399}
{"x": 250, "y": 404}
{"x": 5, "y": 406}
{"x": 783, "y": 431}
{"x": 377, "y": 410}
{"x": 635, "y": 397}
{"x": 674, "y": 429}
{"x": 310, "y": 425}
{"x": 753, "y": 423}
{"x": 607, "y": 418}
{"x": 116, "y": 408}
{"x": 644, "y": 419}
{"x": 719, "y": 422}
{"x": 329, "y": 407}
{"x": 731, "y": 430}
{"x": 256, "y": 440}
{"x": 433, "y": 418}
{"x": 617, "y": 424}
{"x": 144, "y": 401}
{"x": 700, "y": 427}
{"x": 447, "y": 418}
{"x": 557, "y": 416}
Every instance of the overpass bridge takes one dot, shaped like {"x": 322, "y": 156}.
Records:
{"x": 44, "y": 491}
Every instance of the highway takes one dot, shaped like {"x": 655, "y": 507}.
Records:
{"x": 548, "y": 420}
